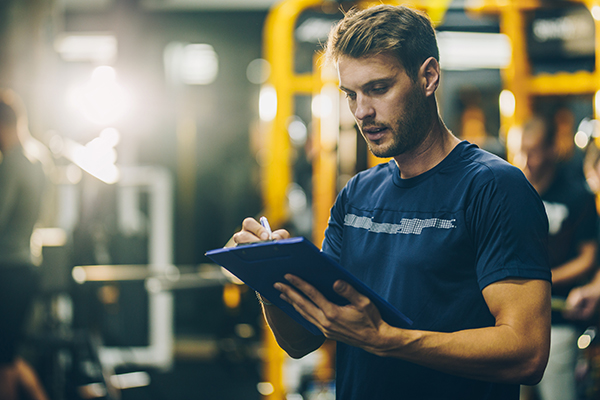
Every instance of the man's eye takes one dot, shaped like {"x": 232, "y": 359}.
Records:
{"x": 350, "y": 96}
{"x": 381, "y": 89}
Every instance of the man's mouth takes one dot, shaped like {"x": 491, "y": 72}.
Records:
{"x": 374, "y": 132}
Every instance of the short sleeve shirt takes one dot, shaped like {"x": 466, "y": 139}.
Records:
{"x": 429, "y": 245}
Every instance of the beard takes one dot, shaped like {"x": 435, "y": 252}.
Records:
{"x": 408, "y": 131}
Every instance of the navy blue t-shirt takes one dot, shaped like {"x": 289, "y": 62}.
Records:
{"x": 429, "y": 245}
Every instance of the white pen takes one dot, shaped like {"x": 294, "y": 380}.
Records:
{"x": 265, "y": 223}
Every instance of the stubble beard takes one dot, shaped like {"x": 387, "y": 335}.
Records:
{"x": 408, "y": 131}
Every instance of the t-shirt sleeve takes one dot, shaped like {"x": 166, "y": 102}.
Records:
{"x": 332, "y": 243}
{"x": 510, "y": 229}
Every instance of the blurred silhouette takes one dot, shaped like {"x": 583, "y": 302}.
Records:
{"x": 582, "y": 302}
{"x": 22, "y": 185}
{"x": 573, "y": 229}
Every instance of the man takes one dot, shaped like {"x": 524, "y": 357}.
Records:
{"x": 452, "y": 236}
{"x": 22, "y": 183}
{"x": 573, "y": 231}
{"x": 582, "y": 302}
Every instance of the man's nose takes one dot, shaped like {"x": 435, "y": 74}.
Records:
{"x": 364, "y": 108}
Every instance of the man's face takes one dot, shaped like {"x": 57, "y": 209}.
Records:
{"x": 390, "y": 109}
{"x": 535, "y": 156}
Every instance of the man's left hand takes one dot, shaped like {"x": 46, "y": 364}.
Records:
{"x": 358, "y": 324}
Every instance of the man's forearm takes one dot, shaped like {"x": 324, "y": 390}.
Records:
{"x": 290, "y": 335}
{"x": 577, "y": 268}
{"x": 514, "y": 350}
{"x": 493, "y": 354}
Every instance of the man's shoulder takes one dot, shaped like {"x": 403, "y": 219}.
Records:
{"x": 485, "y": 164}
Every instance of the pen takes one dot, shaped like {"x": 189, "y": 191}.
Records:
{"x": 265, "y": 223}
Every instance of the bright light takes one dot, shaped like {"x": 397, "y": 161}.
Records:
{"x": 298, "y": 131}
{"x": 97, "y": 157}
{"x": 267, "y": 103}
{"x": 97, "y": 163}
{"x": 191, "y": 64}
{"x": 73, "y": 174}
{"x": 110, "y": 136}
{"x": 596, "y": 13}
{"x": 508, "y": 103}
{"x": 296, "y": 198}
{"x": 258, "y": 71}
{"x": 98, "y": 48}
{"x": 513, "y": 145}
{"x": 102, "y": 101}
{"x": 130, "y": 380}
{"x": 265, "y": 388}
{"x": 200, "y": 64}
{"x": 581, "y": 139}
{"x": 79, "y": 275}
{"x": 469, "y": 50}
{"x": 586, "y": 338}
{"x": 321, "y": 106}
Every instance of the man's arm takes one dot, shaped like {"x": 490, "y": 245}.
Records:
{"x": 578, "y": 267}
{"x": 514, "y": 350}
{"x": 292, "y": 337}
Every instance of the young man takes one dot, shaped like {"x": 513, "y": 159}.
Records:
{"x": 573, "y": 234}
{"x": 452, "y": 236}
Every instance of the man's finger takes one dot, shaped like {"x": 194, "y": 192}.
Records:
{"x": 253, "y": 226}
{"x": 300, "y": 303}
{"x": 349, "y": 293}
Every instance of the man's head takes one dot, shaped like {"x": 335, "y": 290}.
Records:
{"x": 387, "y": 63}
{"x": 403, "y": 32}
{"x": 537, "y": 153}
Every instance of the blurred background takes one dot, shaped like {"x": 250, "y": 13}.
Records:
{"x": 170, "y": 121}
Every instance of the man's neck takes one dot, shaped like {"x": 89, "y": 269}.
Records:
{"x": 435, "y": 148}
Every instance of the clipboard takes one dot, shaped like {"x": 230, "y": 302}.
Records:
{"x": 259, "y": 265}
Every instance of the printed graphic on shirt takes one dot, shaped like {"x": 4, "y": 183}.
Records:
{"x": 406, "y": 226}
{"x": 557, "y": 213}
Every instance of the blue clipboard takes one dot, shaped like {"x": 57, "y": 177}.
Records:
{"x": 261, "y": 264}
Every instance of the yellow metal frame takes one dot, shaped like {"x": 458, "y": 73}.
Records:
{"x": 517, "y": 76}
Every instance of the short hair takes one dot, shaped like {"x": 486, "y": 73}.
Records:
{"x": 406, "y": 33}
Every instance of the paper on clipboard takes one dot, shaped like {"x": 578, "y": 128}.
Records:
{"x": 261, "y": 264}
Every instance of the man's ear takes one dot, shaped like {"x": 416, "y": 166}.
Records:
{"x": 429, "y": 75}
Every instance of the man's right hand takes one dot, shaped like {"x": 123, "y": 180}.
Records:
{"x": 253, "y": 231}
{"x": 582, "y": 302}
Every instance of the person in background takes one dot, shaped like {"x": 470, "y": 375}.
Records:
{"x": 572, "y": 243}
{"x": 451, "y": 235}
{"x": 582, "y": 302}
{"x": 22, "y": 185}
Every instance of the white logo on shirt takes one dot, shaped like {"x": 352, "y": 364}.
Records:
{"x": 557, "y": 213}
{"x": 406, "y": 226}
